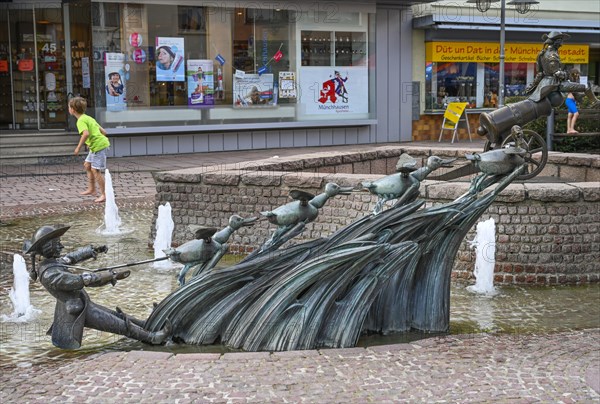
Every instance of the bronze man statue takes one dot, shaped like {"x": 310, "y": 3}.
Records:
{"x": 545, "y": 92}
{"x": 74, "y": 309}
{"x": 551, "y": 77}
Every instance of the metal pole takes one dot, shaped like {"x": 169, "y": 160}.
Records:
{"x": 37, "y": 72}
{"x": 550, "y": 131}
{"x": 501, "y": 72}
{"x": 10, "y": 69}
{"x": 117, "y": 266}
{"x": 68, "y": 51}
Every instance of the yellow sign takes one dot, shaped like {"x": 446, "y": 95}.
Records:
{"x": 482, "y": 52}
{"x": 453, "y": 114}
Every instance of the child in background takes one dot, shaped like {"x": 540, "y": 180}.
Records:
{"x": 571, "y": 104}
{"x": 94, "y": 136}
{"x": 573, "y": 113}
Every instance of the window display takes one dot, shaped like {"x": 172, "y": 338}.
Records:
{"x": 187, "y": 65}
{"x": 115, "y": 82}
{"x": 333, "y": 48}
{"x": 457, "y": 82}
{"x": 253, "y": 90}
{"x": 169, "y": 59}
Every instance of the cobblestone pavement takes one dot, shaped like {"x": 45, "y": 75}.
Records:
{"x": 555, "y": 368}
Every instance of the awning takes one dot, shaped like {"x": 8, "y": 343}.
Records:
{"x": 481, "y": 23}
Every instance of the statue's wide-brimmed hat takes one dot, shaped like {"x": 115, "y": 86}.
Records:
{"x": 43, "y": 235}
{"x": 554, "y": 35}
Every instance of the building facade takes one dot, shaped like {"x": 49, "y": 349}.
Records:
{"x": 209, "y": 76}
{"x": 201, "y": 76}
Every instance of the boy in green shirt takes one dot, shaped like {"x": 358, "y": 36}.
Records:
{"x": 94, "y": 136}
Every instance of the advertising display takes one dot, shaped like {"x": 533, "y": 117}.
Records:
{"x": 253, "y": 90}
{"x": 327, "y": 91}
{"x": 287, "y": 85}
{"x": 490, "y": 52}
{"x": 200, "y": 82}
{"x": 115, "y": 81}
{"x": 170, "y": 65}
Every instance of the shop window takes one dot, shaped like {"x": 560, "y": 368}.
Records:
{"x": 490, "y": 85}
{"x": 333, "y": 48}
{"x": 450, "y": 82}
{"x": 475, "y": 83}
{"x": 261, "y": 50}
{"x": 164, "y": 64}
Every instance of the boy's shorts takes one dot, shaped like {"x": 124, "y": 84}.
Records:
{"x": 97, "y": 159}
{"x": 571, "y": 105}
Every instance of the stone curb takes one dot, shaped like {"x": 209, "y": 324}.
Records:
{"x": 49, "y": 209}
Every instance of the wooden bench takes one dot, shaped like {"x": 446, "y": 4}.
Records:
{"x": 584, "y": 114}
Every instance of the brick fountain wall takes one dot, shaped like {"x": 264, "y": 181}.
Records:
{"x": 547, "y": 233}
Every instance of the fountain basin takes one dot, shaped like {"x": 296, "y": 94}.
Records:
{"x": 547, "y": 231}
{"x": 515, "y": 309}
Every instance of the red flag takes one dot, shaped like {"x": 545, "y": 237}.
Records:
{"x": 277, "y": 57}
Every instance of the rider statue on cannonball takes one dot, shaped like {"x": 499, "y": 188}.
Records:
{"x": 544, "y": 93}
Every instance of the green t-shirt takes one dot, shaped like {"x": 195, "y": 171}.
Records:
{"x": 96, "y": 141}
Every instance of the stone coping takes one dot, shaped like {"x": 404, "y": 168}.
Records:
{"x": 337, "y": 353}
{"x": 433, "y": 190}
{"x": 10, "y": 213}
{"x": 249, "y": 172}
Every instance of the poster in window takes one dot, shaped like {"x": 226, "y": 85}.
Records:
{"x": 115, "y": 81}
{"x": 86, "y": 79}
{"x": 200, "y": 82}
{"x": 331, "y": 90}
{"x": 287, "y": 84}
{"x": 253, "y": 90}
{"x": 170, "y": 65}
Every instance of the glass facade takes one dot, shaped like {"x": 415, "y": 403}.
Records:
{"x": 188, "y": 65}
{"x": 458, "y": 82}
{"x": 159, "y": 64}
{"x": 40, "y": 66}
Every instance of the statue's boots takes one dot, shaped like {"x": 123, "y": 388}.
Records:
{"x": 126, "y": 317}
{"x": 150, "y": 337}
{"x": 594, "y": 102}
{"x": 576, "y": 89}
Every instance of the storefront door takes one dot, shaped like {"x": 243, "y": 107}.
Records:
{"x": 33, "y": 82}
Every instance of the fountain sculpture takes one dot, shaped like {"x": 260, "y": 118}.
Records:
{"x": 112, "y": 221}
{"x": 74, "y": 309}
{"x": 19, "y": 293}
{"x": 207, "y": 249}
{"x": 485, "y": 258}
{"x": 386, "y": 272}
{"x": 164, "y": 234}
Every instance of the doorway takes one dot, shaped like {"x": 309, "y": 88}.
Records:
{"x": 37, "y": 66}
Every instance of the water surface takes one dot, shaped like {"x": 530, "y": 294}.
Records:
{"x": 513, "y": 310}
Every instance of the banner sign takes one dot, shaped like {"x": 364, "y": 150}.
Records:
{"x": 481, "y": 52}
{"x": 327, "y": 91}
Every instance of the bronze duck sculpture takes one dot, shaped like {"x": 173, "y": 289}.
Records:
{"x": 207, "y": 247}
{"x": 304, "y": 209}
{"x": 497, "y": 162}
{"x": 403, "y": 184}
